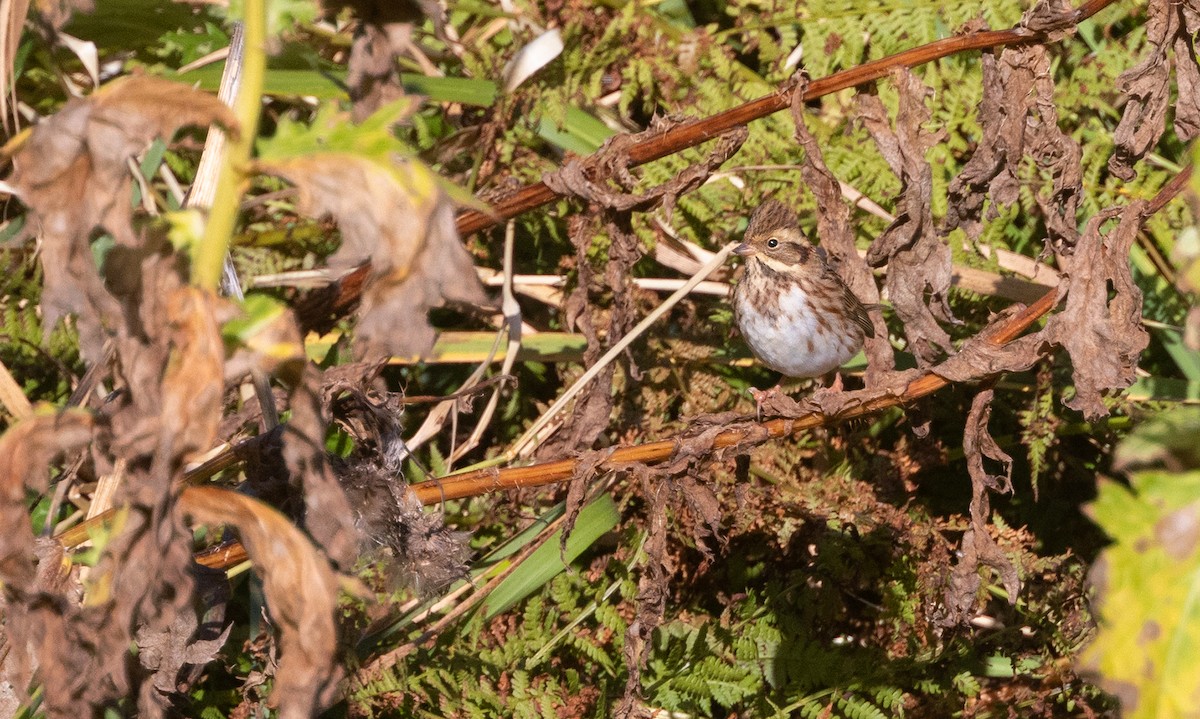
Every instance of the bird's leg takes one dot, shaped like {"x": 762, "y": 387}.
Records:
{"x": 761, "y": 396}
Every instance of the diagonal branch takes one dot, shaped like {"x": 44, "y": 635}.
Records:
{"x": 691, "y": 134}
{"x": 342, "y": 297}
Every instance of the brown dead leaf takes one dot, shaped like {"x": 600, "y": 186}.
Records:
{"x": 1169, "y": 25}
{"x": 419, "y": 551}
{"x": 383, "y": 35}
{"x": 978, "y": 546}
{"x": 585, "y": 311}
{"x": 373, "y": 75}
{"x": 602, "y": 305}
{"x": 169, "y": 369}
{"x": 1187, "y": 73}
{"x": 26, "y": 451}
{"x": 178, "y": 655}
{"x": 73, "y": 174}
{"x": 1054, "y": 17}
{"x": 1104, "y": 336}
{"x": 918, "y": 262}
{"x": 577, "y": 486}
{"x": 617, "y": 189}
{"x": 652, "y": 588}
{"x": 34, "y": 600}
{"x": 301, "y": 591}
{"x": 400, "y": 221}
{"x": 982, "y": 357}
{"x": 1018, "y": 117}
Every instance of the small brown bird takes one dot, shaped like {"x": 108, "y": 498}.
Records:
{"x": 795, "y": 312}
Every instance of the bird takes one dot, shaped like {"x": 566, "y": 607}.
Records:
{"x": 793, "y": 309}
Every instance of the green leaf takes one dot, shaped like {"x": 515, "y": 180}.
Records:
{"x": 465, "y": 90}
{"x": 1147, "y": 649}
{"x": 331, "y": 131}
{"x": 579, "y": 133}
{"x": 279, "y": 82}
{"x": 998, "y": 666}
{"x": 258, "y": 311}
{"x": 546, "y": 562}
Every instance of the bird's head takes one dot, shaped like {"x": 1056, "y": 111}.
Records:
{"x": 773, "y": 237}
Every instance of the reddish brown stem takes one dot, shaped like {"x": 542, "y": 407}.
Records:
{"x": 690, "y": 134}
{"x": 693, "y": 133}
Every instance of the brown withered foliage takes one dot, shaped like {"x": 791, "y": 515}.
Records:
{"x": 918, "y": 262}
{"x": 978, "y": 547}
{"x": 327, "y": 514}
{"x": 39, "y": 611}
{"x": 1170, "y": 27}
{"x": 383, "y": 35}
{"x": 1020, "y": 124}
{"x": 409, "y": 238}
{"x": 651, "y": 590}
{"x": 168, "y": 367}
{"x": 301, "y": 588}
{"x": 73, "y": 174}
{"x": 837, "y": 237}
{"x": 601, "y": 304}
{"x": 1103, "y": 335}
{"x": 172, "y": 380}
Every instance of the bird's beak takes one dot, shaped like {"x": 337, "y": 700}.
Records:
{"x": 743, "y": 250}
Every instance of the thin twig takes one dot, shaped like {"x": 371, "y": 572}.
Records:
{"x": 465, "y": 392}
{"x": 512, "y": 318}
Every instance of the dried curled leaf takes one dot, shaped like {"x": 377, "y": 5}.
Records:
{"x": 373, "y": 75}
{"x": 73, "y": 174}
{"x": 30, "y": 572}
{"x": 393, "y": 212}
{"x": 978, "y": 546}
{"x": 612, "y": 161}
{"x": 177, "y": 656}
{"x": 1170, "y": 24}
{"x": 301, "y": 590}
{"x": 327, "y": 514}
{"x": 653, "y": 585}
{"x": 837, "y": 237}
{"x": 1103, "y": 335}
{"x": 918, "y": 261}
{"x": 26, "y": 451}
{"x": 1019, "y": 118}
{"x": 394, "y": 215}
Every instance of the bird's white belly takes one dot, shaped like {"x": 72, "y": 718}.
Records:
{"x": 789, "y": 339}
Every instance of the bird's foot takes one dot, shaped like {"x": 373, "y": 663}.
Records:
{"x": 773, "y": 402}
{"x": 763, "y": 396}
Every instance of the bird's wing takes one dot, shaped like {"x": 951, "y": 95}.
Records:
{"x": 855, "y": 307}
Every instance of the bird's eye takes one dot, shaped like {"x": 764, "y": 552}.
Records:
{"x": 772, "y": 243}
